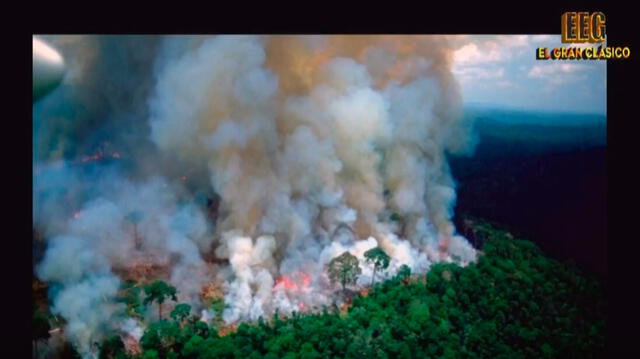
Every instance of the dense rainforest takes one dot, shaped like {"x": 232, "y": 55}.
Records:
{"x": 542, "y": 177}
{"x": 514, "y": 302}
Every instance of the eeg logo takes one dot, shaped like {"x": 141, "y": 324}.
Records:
{"x": 583, "y": 27}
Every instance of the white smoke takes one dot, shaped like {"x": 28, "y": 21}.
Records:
{"x": 131, "y": 327}
{"x": 99, "y": 240}
{"x": 316, "y": 145}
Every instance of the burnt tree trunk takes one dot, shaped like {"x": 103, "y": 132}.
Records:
{"x": 373, "y": 277}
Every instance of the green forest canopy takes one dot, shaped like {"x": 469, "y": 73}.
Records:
{"x": 513, "y": 303}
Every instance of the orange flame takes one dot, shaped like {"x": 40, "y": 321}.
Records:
{"x": 99, "y": 155}
{"x": 286, "y": 283}
{"x": 289, "y": 284}
{"x": 306, "y": 279}
{"x": 228, "y": 329}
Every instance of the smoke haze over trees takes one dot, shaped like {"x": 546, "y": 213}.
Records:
{"x": 310, "y": 145}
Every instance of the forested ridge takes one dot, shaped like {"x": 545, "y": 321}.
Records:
{"x": 512, "y": 303}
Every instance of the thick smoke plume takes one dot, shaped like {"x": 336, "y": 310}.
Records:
{"x": 246, "y": 162}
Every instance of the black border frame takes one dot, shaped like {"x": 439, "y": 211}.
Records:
{"x": 622, "y": 247}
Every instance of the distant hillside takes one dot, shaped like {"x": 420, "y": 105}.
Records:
{"x": 543, "y": 176}
{"x": 535, "y": 132}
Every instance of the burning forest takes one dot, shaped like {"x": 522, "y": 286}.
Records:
{"x": 236, "y": 168}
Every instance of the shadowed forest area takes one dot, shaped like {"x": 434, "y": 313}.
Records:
{"x": 542, "y": 176}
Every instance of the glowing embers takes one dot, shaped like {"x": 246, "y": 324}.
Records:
{"x": 98, "y": 156}
{"x": 141, "y": 270}
{"x": 131, "y": 344}
{"x": 364, "y": 292}
{"x": 295, "y": 290}
{"x": 211, "y": 291}
{"x": 228, "y": 329}
{"x": 299, "y": 282}
{"x": 103, "y": 152}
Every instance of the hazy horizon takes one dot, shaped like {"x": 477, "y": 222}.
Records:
{"x": 502, "y": 69}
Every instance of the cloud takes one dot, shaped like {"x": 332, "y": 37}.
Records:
{"x": 471, "y": 73}
{"x": 489, "y": 48}
{"x": 477, "y": 57}
{"x": 502, "y": 69}
{"x": 541, "y": 38}
{"x": 472, "y": 54}
{"x": 554, "y": 69}
{"x": 514, "y": 41}
{"x": 556, "y": 74}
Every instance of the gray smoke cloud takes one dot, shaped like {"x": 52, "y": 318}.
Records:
{"x": 315, "y": 145}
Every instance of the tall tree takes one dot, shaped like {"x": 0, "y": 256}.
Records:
{"x": 181, "y": 312}
{"x": 159, "y": 291}
{"x": 163, "y": 336}
{"x": 379, "y": 258}
{"x": 344, "y": 269}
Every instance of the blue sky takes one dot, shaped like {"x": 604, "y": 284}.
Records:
{"x": 502, "y": 70}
